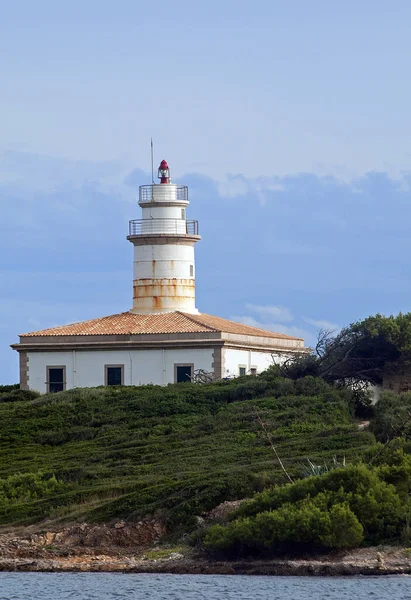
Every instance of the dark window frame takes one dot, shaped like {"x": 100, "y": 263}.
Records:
{"x": 50, "y": 383}
{"x": 107, "y": 367}
{"x": 190, "y": 365}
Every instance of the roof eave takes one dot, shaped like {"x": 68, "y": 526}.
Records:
{"x": 286, "y": 343}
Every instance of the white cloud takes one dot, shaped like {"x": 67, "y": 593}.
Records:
{"x": 281, "y": 320}
{"x": 233, "y": 185}
{"x": 322, "y": 324}
{"x": 292, "y": 330}
{"x": 34, "y": 324}
{"x": 279, "y": 313}
{"x": 239, "y": 185}
{"x": 46, "y": 173}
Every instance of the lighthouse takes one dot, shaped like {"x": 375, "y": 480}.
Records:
{"x": 162, "y": 338}
{"x": 163, "y": 240}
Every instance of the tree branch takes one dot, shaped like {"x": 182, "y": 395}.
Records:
{"x": 270, "y": 441}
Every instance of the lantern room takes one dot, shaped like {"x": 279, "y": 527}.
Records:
{"x": 164, "y": 172}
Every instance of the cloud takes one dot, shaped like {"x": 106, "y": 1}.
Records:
{"x": 233, "y": 186}
{"x": 279, "y": 313}
{"x": 280, "y": 319}
{"x": 238, "y": 185}
{"x": 322, "y": 324}
{"x": 34, "y": 172}
{"x": 292, "y": 330}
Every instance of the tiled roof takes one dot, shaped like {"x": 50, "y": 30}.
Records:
{"x": 226, "y": 326}
{"x": 172, "y": 322}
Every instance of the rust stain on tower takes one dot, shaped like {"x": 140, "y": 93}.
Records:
{"x": 153, "y": 295}
{"x": 157, "y": 303}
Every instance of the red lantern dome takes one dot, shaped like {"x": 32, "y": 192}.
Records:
{"x": 164, "y": 172}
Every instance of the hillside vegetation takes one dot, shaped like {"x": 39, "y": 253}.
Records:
{"x": 110, "y": 453}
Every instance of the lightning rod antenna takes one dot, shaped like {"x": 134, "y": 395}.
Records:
{"x": 152, "y": 162}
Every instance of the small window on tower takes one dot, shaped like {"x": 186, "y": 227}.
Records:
{"x": 191, "y": 270}
{"x": 183, "y": 213}
{"x": 242, "y": 371}
{"x": 253, "y": 371}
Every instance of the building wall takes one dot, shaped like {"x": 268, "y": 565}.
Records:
{"x": 236, "y": 358}
{"x": 86, "y": 368}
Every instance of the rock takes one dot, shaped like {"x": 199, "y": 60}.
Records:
{"x": 48, "y": 538}
{"x": 221, "y": 511}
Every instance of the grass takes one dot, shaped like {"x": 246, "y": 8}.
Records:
{"x": 163, "y": 553}
{"x": 174, "y": 451}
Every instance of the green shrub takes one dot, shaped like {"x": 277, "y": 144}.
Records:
{"x": 17, "y": 395}
{"x": 345, "y": 529}
{"x": 9, "y": 388}
{"x": 391, "y": 413}
{"x": 25, "y": 487}
{"x": 291, "y": 528}
{"x": 339, "y": 509}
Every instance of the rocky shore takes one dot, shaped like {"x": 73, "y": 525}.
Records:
{"x": 136, "y": 548}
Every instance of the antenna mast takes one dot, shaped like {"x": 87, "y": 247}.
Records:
{"x": 152, "y": 162}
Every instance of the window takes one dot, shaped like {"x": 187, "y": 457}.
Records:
{"x": 56, "y": 379}
{"x": 114, "y": 375}
{"x": 183, "y": 213}
{"x": 191, "y": 270}
{"x": 253, "y": 371}
{"x": 242, "y": 371}
{"x": 183, "y": 373}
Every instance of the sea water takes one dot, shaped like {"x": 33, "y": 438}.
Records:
{"x": 109, "y": 586}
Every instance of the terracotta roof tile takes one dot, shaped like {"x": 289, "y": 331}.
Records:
{"x": 227, "y": 326}
{"x": 173, "y": 322}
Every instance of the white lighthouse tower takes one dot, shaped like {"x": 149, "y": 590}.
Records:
{"x": 164, "y": 268}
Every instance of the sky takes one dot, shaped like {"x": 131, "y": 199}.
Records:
{"x": 289, "y": 122}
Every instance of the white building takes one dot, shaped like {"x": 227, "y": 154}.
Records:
{"x": 163, "y": 338}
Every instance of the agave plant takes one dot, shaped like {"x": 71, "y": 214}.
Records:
{"x": 312, "y": 469}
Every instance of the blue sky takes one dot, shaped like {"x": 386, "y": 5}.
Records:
{"x": 288, "y": 120}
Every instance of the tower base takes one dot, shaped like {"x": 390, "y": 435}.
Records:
{"x": 163, "y": 295}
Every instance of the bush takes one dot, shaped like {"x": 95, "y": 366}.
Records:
{"x": 9, "y": 388}
{"x": 17, "y": 395}
{"x": 25, "y": 487}
{"x": 391, "y": 413}
{"x": 291, "y": 528}
{"x": 345, "y": 529}
{"x": 339, "y": 509}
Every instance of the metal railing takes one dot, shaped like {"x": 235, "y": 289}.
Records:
{"x": 163, "y": 226}
{"x": 146, "y": 192}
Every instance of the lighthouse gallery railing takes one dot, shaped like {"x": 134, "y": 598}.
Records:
{"x": 146, "y": 192}
{"x": 163, "y": 226}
